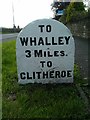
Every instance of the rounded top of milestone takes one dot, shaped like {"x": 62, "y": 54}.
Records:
{"x": 60, "y": 27}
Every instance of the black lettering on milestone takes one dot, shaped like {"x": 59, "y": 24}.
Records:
{"x": 60, "y": 39}
{"x": 22, "y": 75}
{"x": 62, "y": 53}
{"x": 63, "y": 73}
{"x": 40, "y": 41}
{"x": 44, "y": 53}
{"x": 67, "y": 40}
{"x": 45, "y": 74}
{"x": 53, "y": 41}
{"x": 24, "y": 41}
{"x": 57, "y": 74}
{"x": 48, "y": 28}
{"x": 51, "y": 74}
{"x": 49, "y": 54}
{"x": 41, "y": 27}
{"x": 42, "y": 62}
{"x": 28, "y": 76}
{"x": 69, "y": 73}
{"x": 28, "y": 53}
{"x": 49, "y": 64}
{"x": 33, "y": 75}
{"x": 33, "y": 41}
{"x": 38, "y": 53}
{"x": 38, "y": 75}
{"x": 46, "y": 41}
{"x": 56, "y": 53}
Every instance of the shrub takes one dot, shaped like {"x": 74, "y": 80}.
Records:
{"x": 73, "y": 13}
{"x": 89, "y": 13}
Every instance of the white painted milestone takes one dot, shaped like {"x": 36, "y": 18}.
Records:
{"x": 45, "y": 53}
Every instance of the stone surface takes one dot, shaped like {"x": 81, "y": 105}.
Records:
{"x": 45, "y": 53}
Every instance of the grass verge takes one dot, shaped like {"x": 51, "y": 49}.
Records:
{"x": 37, "y": 100}
{"x": 0, "y": 81}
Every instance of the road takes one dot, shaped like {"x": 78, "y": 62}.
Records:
{"x": 5, "y": 37}
{"x": 81, "y": 52}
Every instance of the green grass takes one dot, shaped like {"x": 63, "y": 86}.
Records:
{"x": 37, "y": 100}
{"x": 0, "y": 80}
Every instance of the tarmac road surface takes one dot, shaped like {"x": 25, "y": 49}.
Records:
{"x": 5, "y": 37}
